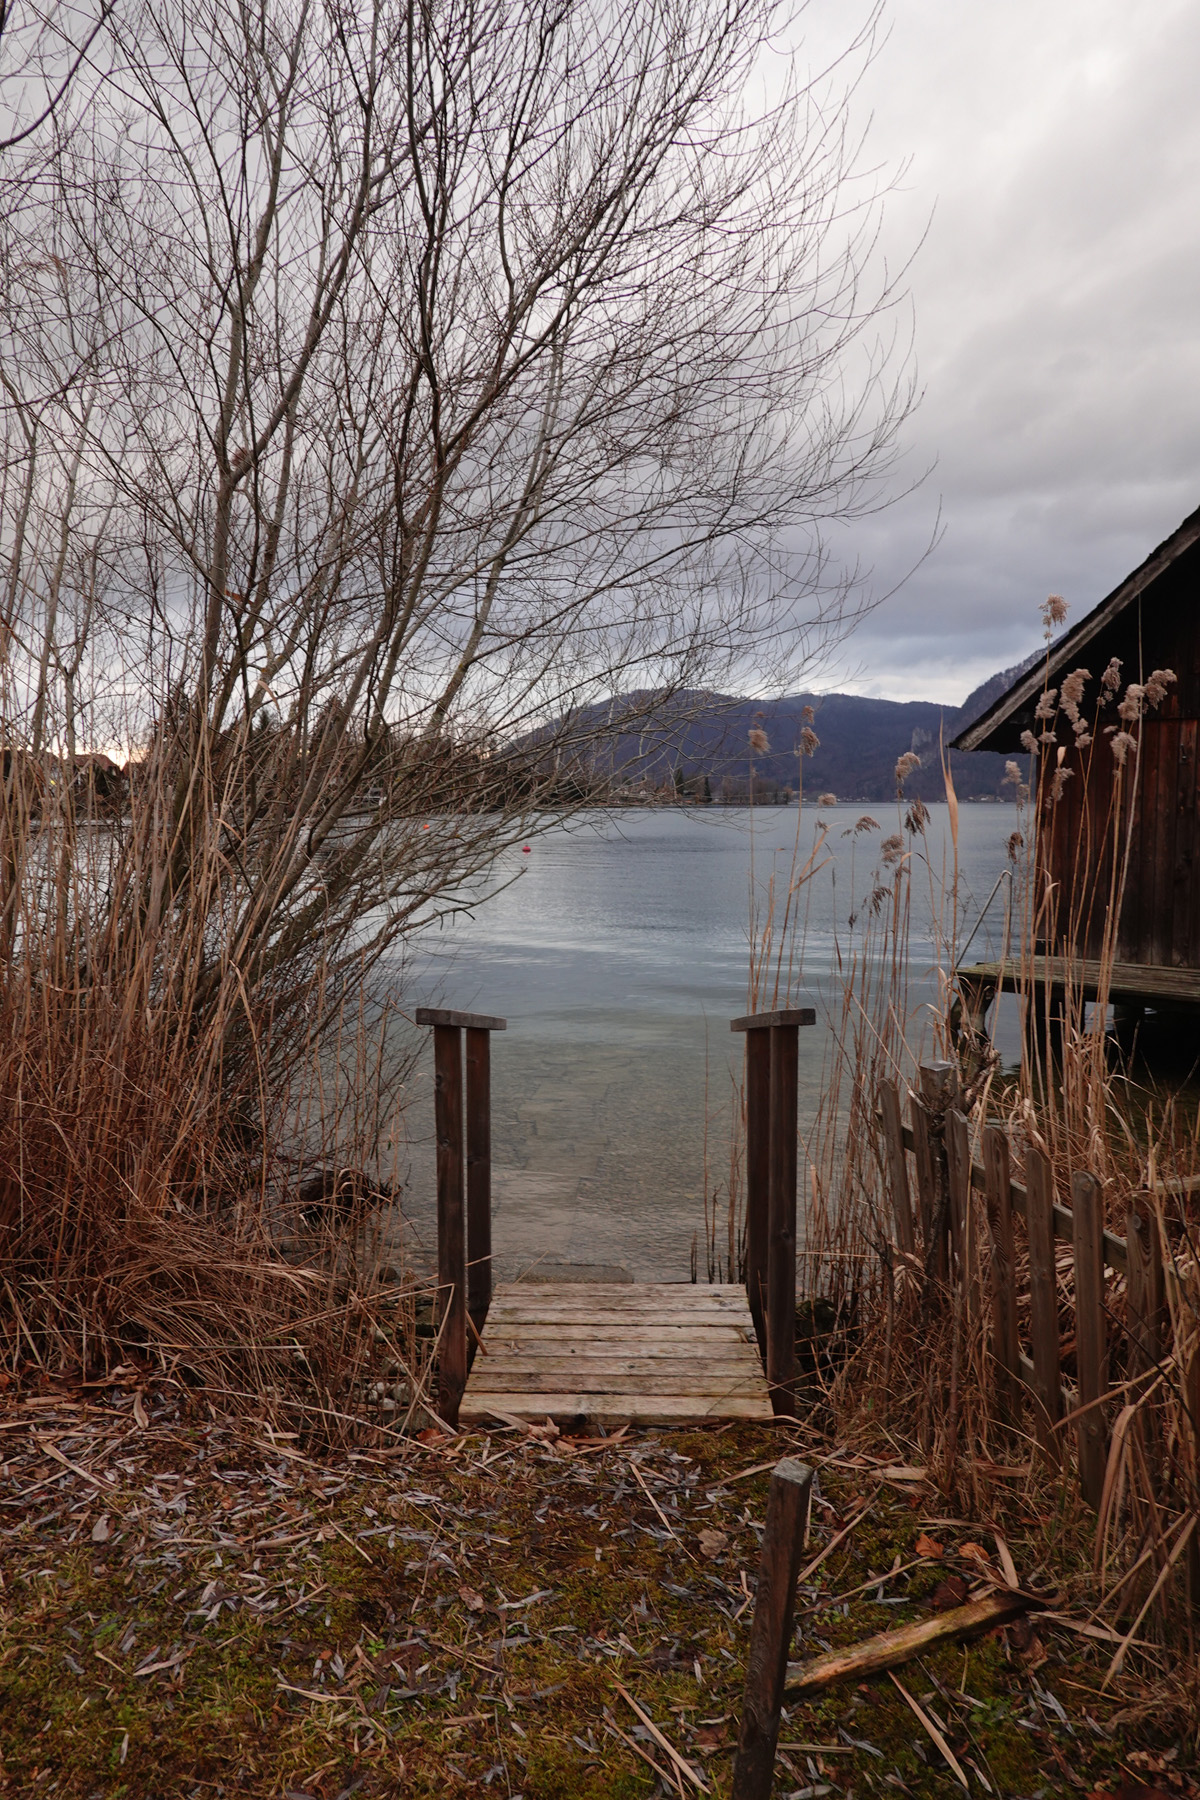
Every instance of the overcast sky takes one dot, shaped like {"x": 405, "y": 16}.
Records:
{"x": 1055, "y": 147}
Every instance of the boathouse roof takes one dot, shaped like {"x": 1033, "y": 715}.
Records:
{"x": 1000, "y": 727}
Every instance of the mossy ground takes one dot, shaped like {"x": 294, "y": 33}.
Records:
{"x": 193, "y": 1610}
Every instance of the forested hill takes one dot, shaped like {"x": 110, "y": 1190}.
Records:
{"x": 860, "y": 742}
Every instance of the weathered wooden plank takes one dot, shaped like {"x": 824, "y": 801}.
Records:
{"x": 1144, "y": 981}
{"x": 444, "y": 1015}
{"x": 958, "y": 1175}
{"x": 522, "y": 1358}
{"x": 616, "y": 1409}
{"x": 783, "y": 1015}
{"x": 897, "y": 1168}
{"x": 501, "y": 1380}
{"x": 645, "y": 1340}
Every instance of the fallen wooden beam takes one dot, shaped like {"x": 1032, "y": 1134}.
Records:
{"x": 888, "y": 1649}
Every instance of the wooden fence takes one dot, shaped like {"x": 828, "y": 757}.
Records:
{"x": 957, "y": 1245}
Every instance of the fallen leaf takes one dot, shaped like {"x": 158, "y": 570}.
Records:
{"x": 139, "y": 1411}
{"x": 974, "y": 1553}
{"x": 100, "y": 1530}
{"x": 949, "y": 1593}
{"x": 714, "y": 1543}
{"x": 431, "y": 1435}
{"x": 470, "y": 1599}
{"x": 927, "y": 1546}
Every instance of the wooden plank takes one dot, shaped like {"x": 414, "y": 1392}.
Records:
{"x": 1043, "y": 1283}
{"x": 451, "y": 1220}
{"x": 615, "y": 1381}
{"x": 616, "y": 1409}
{"x": 758, "y": 1114}
{"x": 782, "y": 1016}
{"x": 459, "y": 1021}
{"x": 897, "y": 1168}
{"x": 673, "y": 1340}
{"x": 781, "y": 1213}
{"x": 1127, "y": 980}
{"x": 784, "y": 1535}
{"x": 479, "y": 1175}
{"x": 1091, "y": 1348}
{"x": 611, "y": 1357}
{"x": 1002, "y": 1272}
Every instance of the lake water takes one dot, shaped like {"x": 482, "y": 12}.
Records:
{"x": 618, "y": 957}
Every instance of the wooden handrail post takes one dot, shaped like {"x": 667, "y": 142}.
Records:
{"x": 782, "y": 1056}
{"x": 453, "y": 1192}
{"x": 451, "y": 1223}
{"x": 781, "y": 1221}
{"x": 479, "y": 1176}
{"x": 758, "y": 1115}
{"x": 1091, "y": 1346}
{"x": 784, "y": 1536}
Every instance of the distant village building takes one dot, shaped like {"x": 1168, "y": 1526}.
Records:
{"x": 1118, "y": 791}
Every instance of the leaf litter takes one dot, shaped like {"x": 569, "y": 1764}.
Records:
{"x": 194, "y": 1605}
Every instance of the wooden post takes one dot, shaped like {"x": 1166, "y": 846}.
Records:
{"x": 897, "y": 1168}
{"x": 1091, "y": 1345}
{"x": 998, "y": 1194}
{"x": 1043, "y": 1285}
{"x": 781, "y": 1215}
{"x": 451, "y": 1223}
{"x": 448, "y": 1027}
{"x": 479, "y": 1176}
{"x": 783, "y": 1542}
{"x": 758, "y": 1114}
{"x": 781, "y": 1028}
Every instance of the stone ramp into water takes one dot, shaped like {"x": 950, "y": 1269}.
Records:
{"x": 616, "y": 1354}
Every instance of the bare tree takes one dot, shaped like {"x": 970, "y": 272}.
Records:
{"x": 383, "y": 389}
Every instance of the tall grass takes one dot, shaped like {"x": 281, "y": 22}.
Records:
{"x": 909, "y": 1362}
{"x": 189, "y": 1145}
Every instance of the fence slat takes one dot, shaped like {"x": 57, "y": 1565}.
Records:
{"x": 1090, "y": 1335}
{"x": 958, "y": 1172}
{"x": 1043, "y": 1284}
{"x": 998, "y": 1196}
{"x": 897, "y": 1168}
{"x": 784, "y": 1535}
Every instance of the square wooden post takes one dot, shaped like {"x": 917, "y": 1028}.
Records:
{"x": 453, "y": 1190}
{"x": 784, "y": 1536}
{"x": 1091, "y": 1336}
{"x": 479, "y": 1176}
{"x": 1043, "y": 1300}
{"x": 758, "y": 1115}
{"x": 780, "y": 1029}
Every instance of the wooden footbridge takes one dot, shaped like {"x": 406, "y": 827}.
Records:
{"x": 653, "y": 1353}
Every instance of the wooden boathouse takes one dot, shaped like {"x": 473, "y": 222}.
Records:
{"x": 1116, "y": 784}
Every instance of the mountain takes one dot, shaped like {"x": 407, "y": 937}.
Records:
{"x": 706, "y": 737}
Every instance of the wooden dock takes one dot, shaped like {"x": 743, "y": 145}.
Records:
{"x": 653, "y": 1354}
{"x": 601, "y": 1353}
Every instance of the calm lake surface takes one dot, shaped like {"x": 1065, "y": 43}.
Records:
{"x": 618, "y": 957}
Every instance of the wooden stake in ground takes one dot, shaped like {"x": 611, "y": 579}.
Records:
{"x": 766, "y": 1666}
